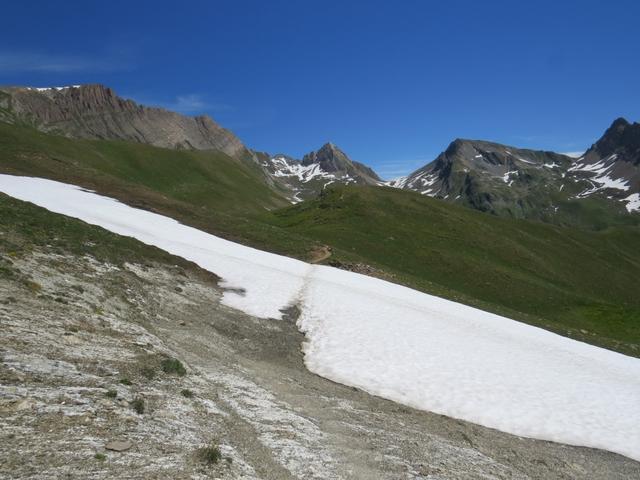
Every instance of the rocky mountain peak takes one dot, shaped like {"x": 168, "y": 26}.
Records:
{"x": 95, "y": 111}
{"x": 330, "y": 158}
{"x": 622, "y": 138}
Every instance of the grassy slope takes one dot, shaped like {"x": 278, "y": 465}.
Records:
{"x": 24, "y": 226}
{"x": 210, "y": 179}
{"x": 563, "y": 279}
{"x": 205, "y": 189}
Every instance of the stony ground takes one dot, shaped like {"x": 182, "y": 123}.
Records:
{"x": 91, "y": 354}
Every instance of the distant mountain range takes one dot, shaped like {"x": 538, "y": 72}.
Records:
{"x": 486, "y": 176}
{"x": 530, "y": 183}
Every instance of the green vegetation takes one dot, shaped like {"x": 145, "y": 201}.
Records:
{"x": 100, "y": 456}
{"x": 125, "y": 381}
{"x": 205, "y": 189}
{"x": 111, "y": 394}
{"x": 209, "y": 179}
{"x": 173, "y": 366}
{"x": 28, "y": 226}
{"x": 186, "y": 393}
{"x": 209, "y": 455}
{"x": 138, "y": 405}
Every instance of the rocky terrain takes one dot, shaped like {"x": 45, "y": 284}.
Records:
{"x": 122, "y": 363}
{"x": 490, "y": 177}
{"x": 96, "y": 112}
{"x": 526, "y": 183}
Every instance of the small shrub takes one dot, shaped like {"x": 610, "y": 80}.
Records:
{"x": 209, "y": 455}
{"x": 187, "y": 393}
{"x": 111, "y": 394}
{"x": 125, "y": 381}
{"x": 173, "y": 366}
{"x": 100, "y": 456}
{"x": 138, "y": 405}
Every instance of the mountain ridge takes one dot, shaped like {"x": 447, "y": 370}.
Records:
{"x": 94, "y": 111}
{"x": 537, "y": 184}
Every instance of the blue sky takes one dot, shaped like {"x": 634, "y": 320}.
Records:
{"x": 391, "y": 83}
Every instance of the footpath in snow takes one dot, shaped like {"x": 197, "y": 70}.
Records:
{"x": 395, "y": 342}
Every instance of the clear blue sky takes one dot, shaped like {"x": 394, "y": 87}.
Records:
{"x": 391, "y": 82}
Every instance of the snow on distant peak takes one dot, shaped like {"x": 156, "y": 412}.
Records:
{"x": 47, "y": 89}
{"x": 399, "y": 182}
{"x": 572, "y": 154}
{"x": 287, "y": 168}
{"x": 401, "y": 344}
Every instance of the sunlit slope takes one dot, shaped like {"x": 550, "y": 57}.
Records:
{"x": 209, "y": 179}
{"x": 580, "y": 283}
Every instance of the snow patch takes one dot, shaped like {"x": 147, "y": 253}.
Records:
{"x": 46, "y": 89}
{"x": 633, "y": 202}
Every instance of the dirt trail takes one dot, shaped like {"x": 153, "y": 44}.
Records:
{"x": 320, "y": 254}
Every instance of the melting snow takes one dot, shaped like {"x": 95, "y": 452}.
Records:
{"x": 284, "y": 168}
{"x": 601, "y": 180}
{"x": 633, "y": 202}
{"x": 399, "y": 343}
{"x": 506, "y": 177}
{"x": 399, "y": 182}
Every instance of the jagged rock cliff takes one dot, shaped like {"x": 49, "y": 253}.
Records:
{"x": 96, "y": 112}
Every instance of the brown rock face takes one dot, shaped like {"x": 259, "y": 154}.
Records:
{"x": 96, "y": 112}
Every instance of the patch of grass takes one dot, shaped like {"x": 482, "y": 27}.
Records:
{"x": 186, "y": 393}
{"x": 125, "y": 381}
{"x": 210, "y": 455}
{"x": 138, "y": 405}
{"x": 173, "y": 366}
{"x": 111, "y": 394}
{"x": 100, "y": 456}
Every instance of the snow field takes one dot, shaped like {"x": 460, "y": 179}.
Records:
{"x": 398, "y": 343}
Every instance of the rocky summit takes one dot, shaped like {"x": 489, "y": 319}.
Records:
{"x": 318, "y": 169}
